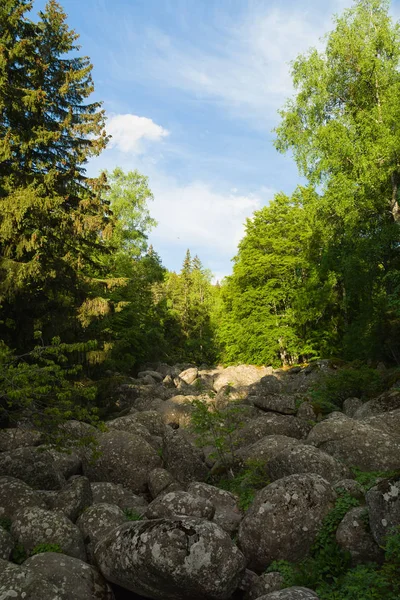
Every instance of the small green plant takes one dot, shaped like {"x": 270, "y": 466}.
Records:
{"x": 5, "y": 523}
{"x": 132, "y": 515}
{"x": 246, "y": 483}
{"x": 331, "y": 576}
{"x": 368, "y": 479}
{"x": 215, "y": 427}
{"x": 42, "y": 548}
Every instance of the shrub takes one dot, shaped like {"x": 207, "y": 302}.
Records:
{"x": 355, "y": 380}
{"x": 246, "y": 483}
{"x": 43, "y": 387}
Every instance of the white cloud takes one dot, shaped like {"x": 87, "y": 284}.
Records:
{"x": 198, "y": 217}
{"x": 129, "y": 132}
{"x": 245, "y": 64}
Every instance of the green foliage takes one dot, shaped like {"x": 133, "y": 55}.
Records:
{"x": 327, "y": 569}
{"x": 190, "y": 323}
{"x": 368, "y": 479}
{"x": 246, "y": 482}
{"x": 41, "y": 548}
{"x": 44, "y": 388}
{"x": 132, "y": 515}
{"x": 215, "y": 427}
{"x": 355, "y": 380}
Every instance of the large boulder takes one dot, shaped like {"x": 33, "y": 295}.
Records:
{"x": 265, "y": 449}
{"x": 351, "y": 405}
{"x": 16, "y": 494}
{"x": 356, "y": 444}
{"x": 354, "y": 536}
{"x": 271, "y": 424}
{"x": 178, "y": 504}
{"x": 189, "y": 375}
{"x": 280, "y": 403}
{"x": 293, "y": 593}
{"x": 73, "y": 578}
{"x": 301, "y": 458}
{"x": 115, "y": 493}
{"x": 182, "y": 459}
{"x": 176, "y": 412}
{"x": 124, "y": 458}
{"x": 32, "y": 465}
{"x": 383, "y": 503}
{"x": 284, "y": 519}
{"x": 20, "y": 583}
{"x": 227, "y": 513}
{"x": 98, "y": 520}
{"x": 172, "y": 559}
{"x": 131, "y": 424}
{"x": 161, "y": 480}
{"x": 388, "y": 422}
{"x": 11, "y": 439}
{"x": 240, "y": 376}
{"x": 33, "y": 526}
{"x": 152, "y": 420}
{"x": 74, "y": 498}
{"x": 384, "y": 403}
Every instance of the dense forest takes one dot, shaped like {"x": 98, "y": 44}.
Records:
{"x": 82, "y": 293}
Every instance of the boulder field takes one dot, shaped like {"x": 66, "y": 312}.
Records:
{"x": 145, "y": 517}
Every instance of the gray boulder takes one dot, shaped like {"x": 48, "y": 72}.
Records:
{"x": 383, "y": 502}
{"x": 98, "y": 520}
{"x": 32, "y": 526}
{"x": 16, "y": 494}
{"x": 284, "y": 519}
{"x": 74, "y": 498}
{"x": 182, "y": 459}
{"x": 306, "y": 411}
{"x": 124, "y": 458}
{"x": 160, "y": 480}
{"x": 301, "y": 458}
{"x": 280, "y": 403}
{"x": 155, "y": 375}
{"x": 356, "y": 444}
{"x": 227, "y": 513}
{"x": 178, "y": 504}
{"x": 351, "y": 405}
{"x": 153, "y": 422}
{"x": 73, "y": 578}
{"x": 33, "y": 466}
{"x": 19, "y": 583}
{"x": 384, "y": 403}
{"x": 353, "y": 535}
{"x": 115, "y": 493}
{"x": 265, "y": 449}
{"x": 172, "y": 559}
{"x": 388, "y": 422}
{"x": 271, "y": 424}
{"x": 11, "y": 439}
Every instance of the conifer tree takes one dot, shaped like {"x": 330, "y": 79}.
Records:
{"x": 53, "y": 222}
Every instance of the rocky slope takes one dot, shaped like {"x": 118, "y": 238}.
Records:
{"x": 143, "y": 520}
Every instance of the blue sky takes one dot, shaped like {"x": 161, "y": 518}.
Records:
{"x": 191, "y": 89}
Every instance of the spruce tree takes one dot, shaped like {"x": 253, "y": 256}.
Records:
{"x": 53, "y": 221}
